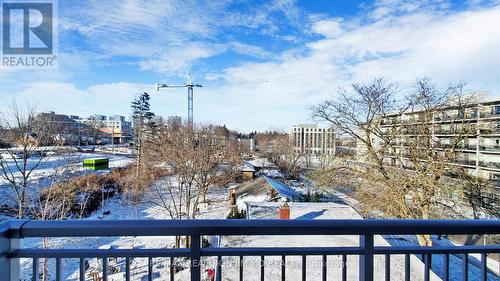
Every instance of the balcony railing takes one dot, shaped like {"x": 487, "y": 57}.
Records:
{"x": 489, "y": 114}
{"x": 12, "y": 232}
{"x": 495, "y": 148}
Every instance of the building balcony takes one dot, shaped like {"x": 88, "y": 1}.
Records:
{"x": 490, "y": 130}
{"x": 493, "y": 165}
{"x": 492, "y": 148}
{"x": 13, "y": 233}
{"x": 490, "y": 115}
{"x": 465, "y": 162}
{"x": 467, "y": 147}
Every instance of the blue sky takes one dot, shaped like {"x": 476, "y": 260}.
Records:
{"x": 262, "y": 63}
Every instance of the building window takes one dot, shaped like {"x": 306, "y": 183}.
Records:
{"x": 497, "y": 109}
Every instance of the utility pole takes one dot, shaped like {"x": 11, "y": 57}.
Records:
{"x": 189, "y": 85}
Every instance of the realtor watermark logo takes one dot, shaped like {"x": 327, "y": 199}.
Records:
{"x": 29, "y": 34}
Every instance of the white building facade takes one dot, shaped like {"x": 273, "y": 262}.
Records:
{"x": 310, "y": 139}
{"x": 479, "y": 149}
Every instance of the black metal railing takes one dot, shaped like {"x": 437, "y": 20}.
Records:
{"x": 495, "y": 148}
{"x": 12, "y": 232}
{"x": 490, "y": 114}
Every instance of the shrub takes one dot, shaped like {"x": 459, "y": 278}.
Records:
{"x": 242, "y": 214}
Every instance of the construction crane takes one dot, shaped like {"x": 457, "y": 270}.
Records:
{"x": 189, "y": 85}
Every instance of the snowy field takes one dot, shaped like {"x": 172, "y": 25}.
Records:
{"x": 118, "y": 208}
{"x": 70, "y": 163}
{"x": 308, "y": 211}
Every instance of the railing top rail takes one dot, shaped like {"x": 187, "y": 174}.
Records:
{"x": 90, "y": 228}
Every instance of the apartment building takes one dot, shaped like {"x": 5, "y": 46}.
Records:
{"x": 478, "y": 126}
{"x": 310, "y": 139}
{"x": 118, "y": 129}
{"x": 175, "y": 121}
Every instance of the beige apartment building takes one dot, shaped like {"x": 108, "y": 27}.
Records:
{"x": 479, "y": 147}
{"x": 311, "y": 139}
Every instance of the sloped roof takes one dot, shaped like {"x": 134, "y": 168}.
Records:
{"x": 260, "y": 163}
{"x": 283, "y": 189}
{"x": 263, "y": 185}
{"x": 254, "y": 187}
{"x": 246, "y": 168}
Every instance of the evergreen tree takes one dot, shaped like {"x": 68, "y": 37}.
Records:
{"x": 144, "y": 129}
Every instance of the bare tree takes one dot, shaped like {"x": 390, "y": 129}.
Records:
{"x": 197, "y": 160}
{"x": 29, "y": 137}
{"x": 408, "y": 169}
{"x": 52, "y": 200}
{"x": 94, "y": 125}
{"x": 357, "y": 114}
{"x": 281, "y": 153}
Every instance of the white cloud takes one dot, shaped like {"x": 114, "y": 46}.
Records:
{"x": 448, "y": 47}
{"x": 162, "y": 33}
{"x": 250, "y": 50}
{"x": 401, "y": 41}
{"x": 177, "y": 60}
{"x": 329, "y": 28}
{"x": 68, "y": 98}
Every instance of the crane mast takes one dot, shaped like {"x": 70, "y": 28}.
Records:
{"x": 189, "y": 85}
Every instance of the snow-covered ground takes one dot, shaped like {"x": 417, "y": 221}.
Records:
{"x": 119, "y": 208}
{"x": 308, "y": 211}
{"x": 69, "y": 162}
{"x": 456, "y": 261}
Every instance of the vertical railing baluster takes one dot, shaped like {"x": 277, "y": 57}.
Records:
{"x": 105, "y": 268}
{"x": 262, "y": 268}
{"x": 172, "y": 269}
{"x": 82, "y": 269}
{"x": 35, "y": 269}
{"x": 283, "y": 268}
{"x": 387, "y": 267}
{"x": 9, "y": 243}
{"x": 407, "y": 267}
{"x": 323, "y": 264}
{"x": 466, "y": 267}
{"x": 218, "y": 273}
{"x": 241, "y": 268}
{"x": 427, "y": 265}
{"x": 304, "y": 267}
{"x": 484, "y": 267}
{"x": 195, "y": 255}
{"x": 366, "y": 260}
{"x": 127, "y": 269}
{"x": 58, "y": 269}
{"x": 446, "y": 267}
{"x": 344, "y": 267}
{"x": 150, "y": 269}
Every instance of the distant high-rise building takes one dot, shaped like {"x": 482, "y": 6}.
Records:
{"x": 174, "y": 120}
{"x": 115, "y": 126}
{"x": 310, "y": 139}
{"x": 116, "y": 118}
{"x": 97, "y": 117}
{"x": 158, "y": 120}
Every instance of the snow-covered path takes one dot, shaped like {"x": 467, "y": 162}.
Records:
{"x": 307, "y": 211}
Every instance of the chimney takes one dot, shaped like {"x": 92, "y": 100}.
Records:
{"x": 232, "y": 196}
{"x": 284, "y": 211}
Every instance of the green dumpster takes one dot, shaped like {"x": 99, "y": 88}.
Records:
{"x": 96, "y": 163}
